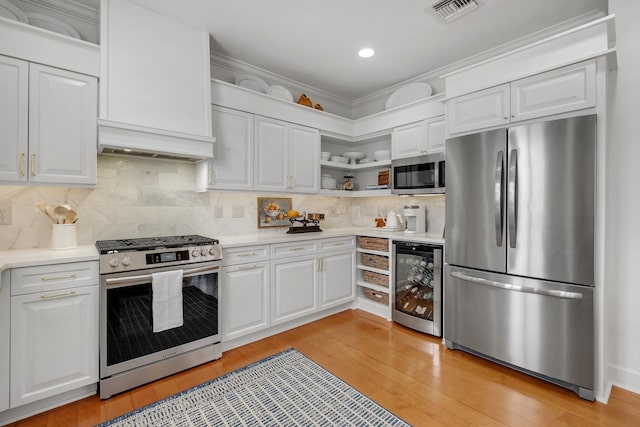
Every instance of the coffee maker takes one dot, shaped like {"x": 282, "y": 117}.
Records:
{"x": 415, "y": 219}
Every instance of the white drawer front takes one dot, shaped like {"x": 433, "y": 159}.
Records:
{"x": 245, "y": 254}
{"x": 44, "y": 278}
{"x": 338, "y": 243}
{"x": 285, "y": 250}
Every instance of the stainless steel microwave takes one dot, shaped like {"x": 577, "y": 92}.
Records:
{"x": 418, "y": 175}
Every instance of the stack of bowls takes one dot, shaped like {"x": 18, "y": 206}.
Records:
{"x": 325, "y": 155}
{"x": 339, "y": 159}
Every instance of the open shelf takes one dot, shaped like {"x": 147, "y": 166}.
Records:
{"x": 349, "y": 167}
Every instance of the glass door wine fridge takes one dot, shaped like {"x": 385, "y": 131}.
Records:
{"x": 418, "y": 286}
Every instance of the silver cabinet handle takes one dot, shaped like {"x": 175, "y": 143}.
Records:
{"x": 210, "y": 176}
{"x": 512, "y": 202}
{"x": 296, "y": 249}
{"x": 248, "y": 267}
{"x": 518, "y": 288}
{"x": 320, "y": 264}
{"x": 66, "y": 294}
{"x": 48, "y": 279}
{"x": 339, "y": 244}
{"x": 499, "y": 179}
{"x": 247, "y": 255}
{"x": 33, "y": 165}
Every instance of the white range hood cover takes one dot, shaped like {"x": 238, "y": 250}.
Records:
{"x": 127, "y": 139}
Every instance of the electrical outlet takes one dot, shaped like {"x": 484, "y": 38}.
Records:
{"x": 5, "y": 215}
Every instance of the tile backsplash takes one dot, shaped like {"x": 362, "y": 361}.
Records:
{"x": 141, "y": 198}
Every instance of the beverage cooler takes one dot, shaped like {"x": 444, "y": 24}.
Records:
{"x": 417, "y": 286}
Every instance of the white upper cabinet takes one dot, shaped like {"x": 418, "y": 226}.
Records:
{"x": 271, "y": 154}
{"x": 232, "y": 165}
{"x": 286, "y": 156}
{"x": 558, "y": 91}
{"x": 14, "y": 120}
{"x": 63, "y": 107}
{"x": 483, "y": 109}
{"x": 305, "y": 159}
{"x": 416, "y": 139}
{"x": 566, "y": 89}
{"x": 48, "y": 125}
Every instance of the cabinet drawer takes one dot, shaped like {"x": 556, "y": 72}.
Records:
{"x": 45, "y": 278}
{"x": 245, "y": 254}
{"x": 338, "y": 243}
{"x": 285, "y": 250}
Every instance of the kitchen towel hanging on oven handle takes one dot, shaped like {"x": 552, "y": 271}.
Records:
{"x": 166, "y": 303}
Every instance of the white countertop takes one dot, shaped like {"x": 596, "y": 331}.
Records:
{"x": 42, "y": 256}
{"x": 264, "y": 239}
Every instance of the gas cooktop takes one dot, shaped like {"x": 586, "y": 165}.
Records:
{"x": 151, "y": 243}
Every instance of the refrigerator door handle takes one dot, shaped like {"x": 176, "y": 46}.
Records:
{"x": 512, "y": 198}
{"x": 499, "y": 179}
{"x": 518, "y": 288}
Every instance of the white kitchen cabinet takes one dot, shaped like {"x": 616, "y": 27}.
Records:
{"x": 565, "y": 89}
{"x": 14, "y": 120}
{"x": 336, "y": 278}
{"x": 54, "y": 331}
{"x": 558, "y": 91}
{"x": 49, "y": 136}
{"x": 4, "y": 343}
{"x": 294, "y": 288}
{"x": 286, "y": 156}
{"x": 417, "y": 139}
{"x": 245, "y": 295}
{"x": 482, "y": 109}
{"x": 232, "y": 165}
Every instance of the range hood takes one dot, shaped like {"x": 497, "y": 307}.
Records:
{"x": 127, "y": 139}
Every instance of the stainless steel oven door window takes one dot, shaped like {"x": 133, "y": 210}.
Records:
{"x": 127, "y": 339}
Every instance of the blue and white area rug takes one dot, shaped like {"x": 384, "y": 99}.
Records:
{"x": 286, "y": 389}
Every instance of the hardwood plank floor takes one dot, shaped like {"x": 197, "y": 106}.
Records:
{"x": 413, "y": 375}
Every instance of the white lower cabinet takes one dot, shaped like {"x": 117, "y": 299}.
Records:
{"x": 294, "y": 288}
{"x": 54, "y": 335}
{"x": 4, "y": 343}
{"x": 337, "y": 279}
{"x": 245, "y": 291}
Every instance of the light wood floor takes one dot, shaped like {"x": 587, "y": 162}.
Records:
{"x": 411, "y": 374}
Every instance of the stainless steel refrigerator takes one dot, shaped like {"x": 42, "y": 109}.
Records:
{"x": 519, "y": 252}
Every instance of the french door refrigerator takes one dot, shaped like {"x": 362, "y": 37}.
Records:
{"x": 519, "y": 259}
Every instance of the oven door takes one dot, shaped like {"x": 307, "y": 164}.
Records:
{"x": 127, "y": 340}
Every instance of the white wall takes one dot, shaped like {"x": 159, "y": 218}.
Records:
{"x": 622, "y": 301}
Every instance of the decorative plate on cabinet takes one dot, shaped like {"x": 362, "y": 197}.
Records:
{"x": 9, "y": 11}
{"x": 407, "y": 94}
{"x": 252, "y": 82}
{"x": 280, "y": 92}
{"x": 52, "y": 24}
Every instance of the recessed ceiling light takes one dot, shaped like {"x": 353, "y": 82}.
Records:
{"x": 367, "y": 52}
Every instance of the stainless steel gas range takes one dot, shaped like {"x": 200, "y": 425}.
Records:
{"x": 131, "y": 353}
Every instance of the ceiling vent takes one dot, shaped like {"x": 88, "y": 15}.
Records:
{"x": 450, "y": 10}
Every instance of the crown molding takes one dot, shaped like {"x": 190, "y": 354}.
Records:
{"x": 71, "y": 8}
{"x": 487, "y": 54}
{"x": 238, "y": 66}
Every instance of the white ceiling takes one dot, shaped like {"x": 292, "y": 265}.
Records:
{"x": 316, "y": 42}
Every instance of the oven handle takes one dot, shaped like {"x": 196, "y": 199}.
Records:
{"x": 147, "y": 277}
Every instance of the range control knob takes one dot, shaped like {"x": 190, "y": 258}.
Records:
{"x": 195, "y": 253}
{"x": 215, "y": 251}
{"x": 113, "y": 262}
{"x": 126, "y": 261}
{"x": 204, "y": 252}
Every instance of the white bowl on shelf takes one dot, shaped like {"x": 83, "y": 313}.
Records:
{"x": 325, "y": 155}
{"x": 381, "y": 155}
{"x": 339, "y": 159}
{"x": 353, "y": 156}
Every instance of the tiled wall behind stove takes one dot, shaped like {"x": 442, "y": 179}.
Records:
{"x": 140, "y": 198}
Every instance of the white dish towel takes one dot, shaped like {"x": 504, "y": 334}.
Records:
{"x": 166, "y": 300}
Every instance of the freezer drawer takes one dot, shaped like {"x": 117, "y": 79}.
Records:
{"x": 539, "y": 326}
